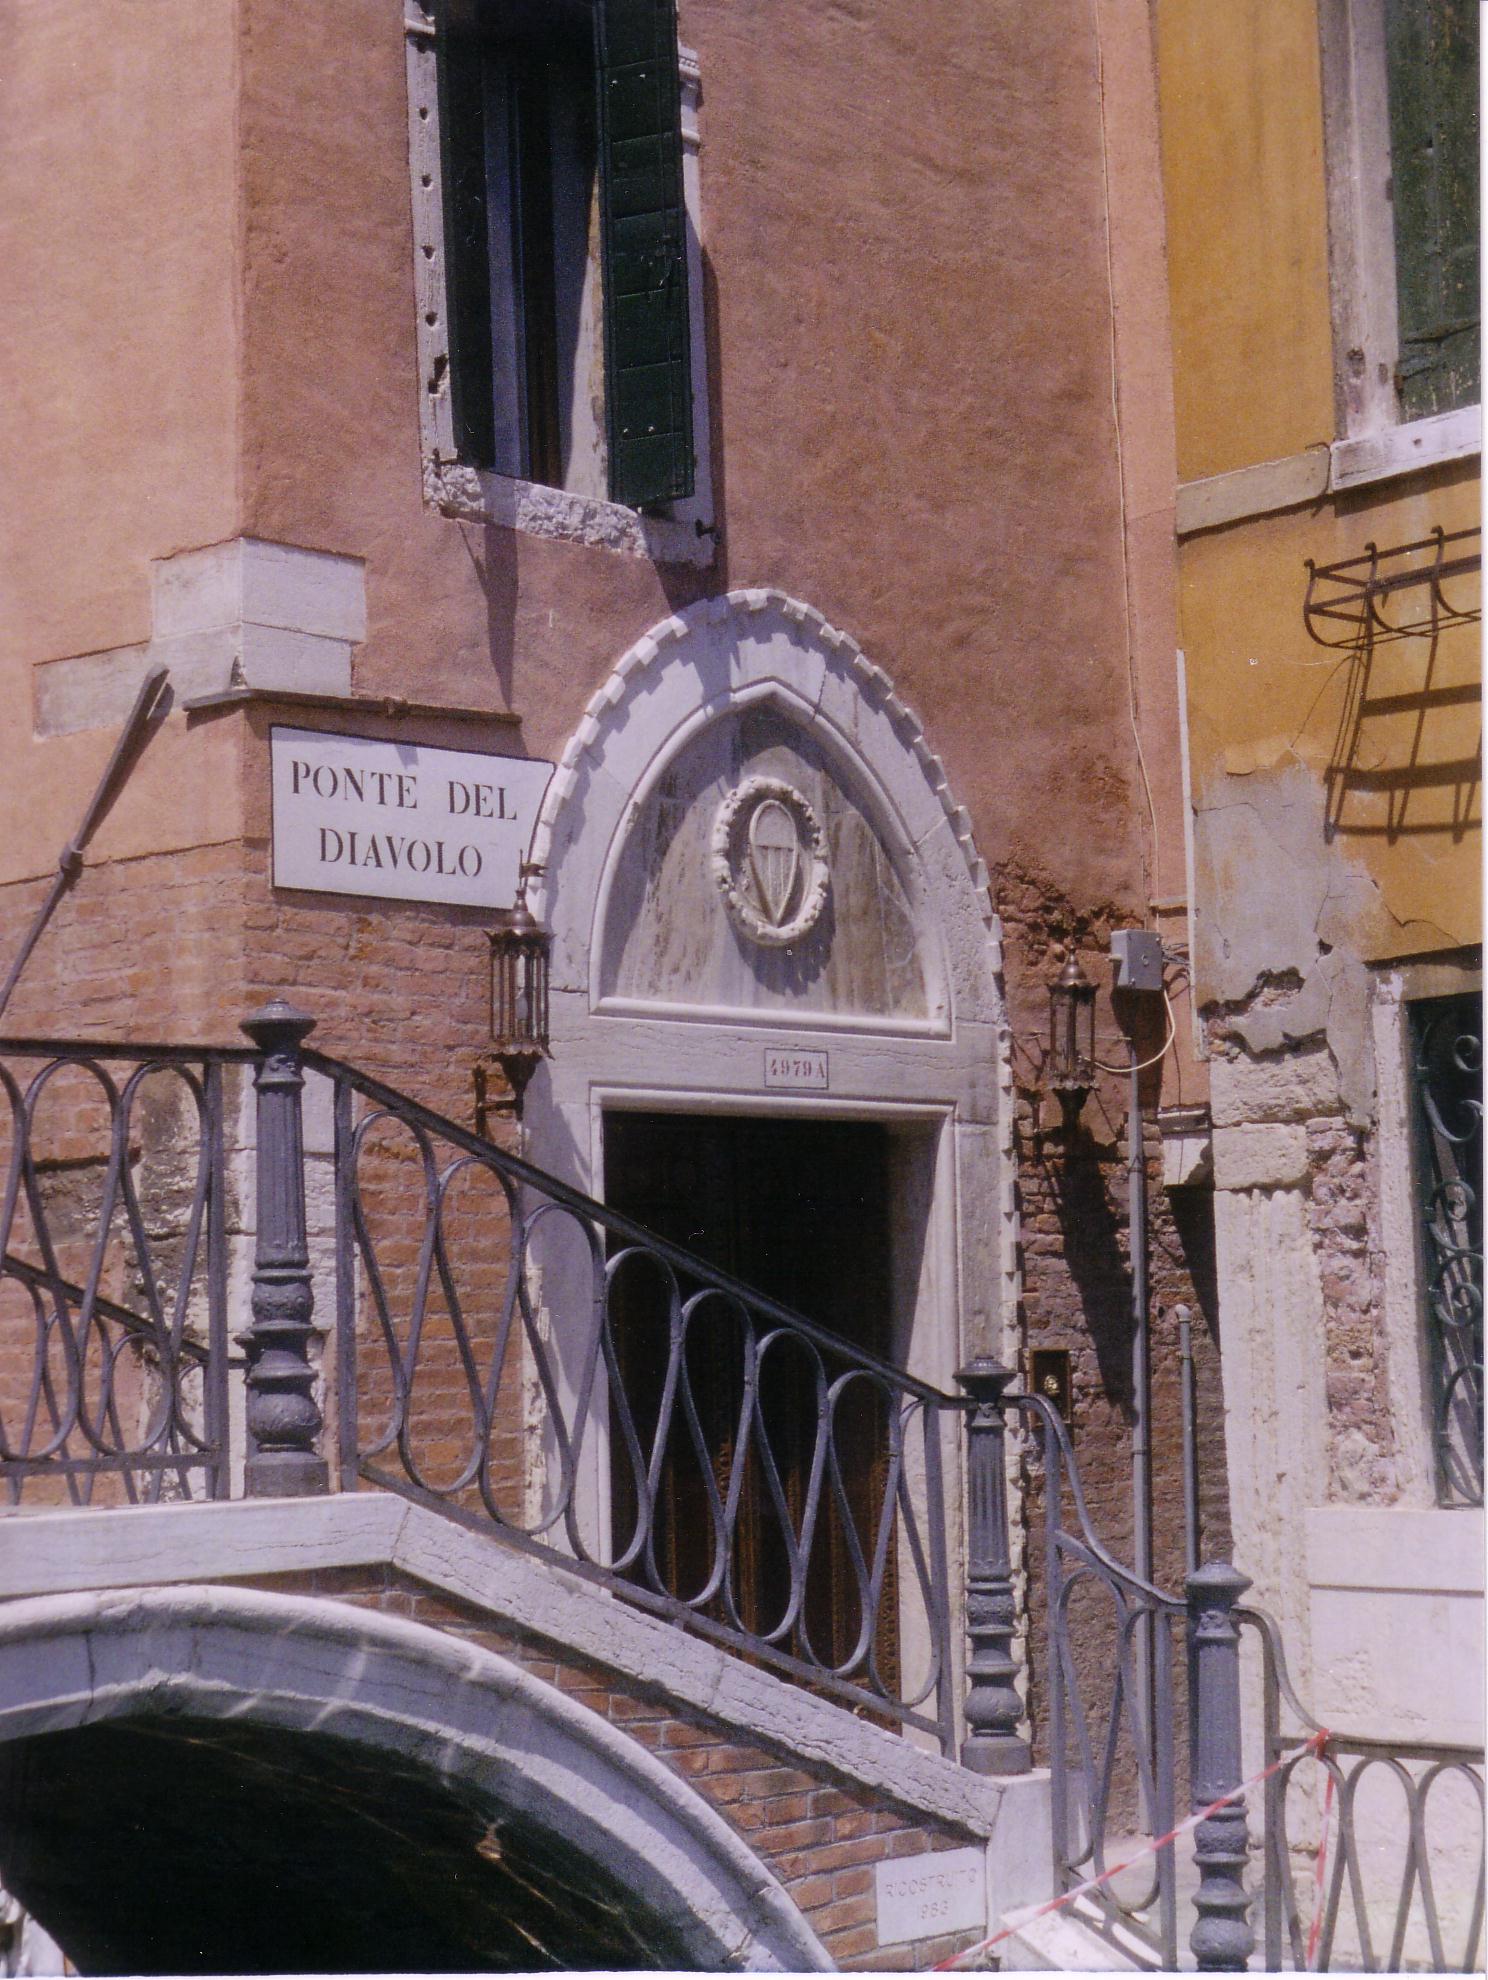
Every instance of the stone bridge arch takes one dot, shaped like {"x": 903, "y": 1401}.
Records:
{"x": 296, "y": 1724}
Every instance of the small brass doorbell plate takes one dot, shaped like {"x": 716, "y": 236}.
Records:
{"x": 1051, "y": 1376}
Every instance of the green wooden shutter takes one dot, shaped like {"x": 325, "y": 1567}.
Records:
{"x": 1432, "y": 53}
{"x": 648, "y": 372}
{"x": 467, "y": 269}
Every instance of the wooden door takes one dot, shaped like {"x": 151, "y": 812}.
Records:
{"x": 799, "y": 1210}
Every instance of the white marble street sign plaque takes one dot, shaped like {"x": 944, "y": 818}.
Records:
{"x": 401, "y": 821}
{"x": 798, "y": 1067}
{"x": 919, "y": 1897}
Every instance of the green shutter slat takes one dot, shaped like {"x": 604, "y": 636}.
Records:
{"x": 467, "y": 270}
{"x": 648, "y": 370}
{"x": 1432, "y": 54}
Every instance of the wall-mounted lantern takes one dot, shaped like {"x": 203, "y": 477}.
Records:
{"x": 519, "y": 997}
{"x": 1071, "y": 1062}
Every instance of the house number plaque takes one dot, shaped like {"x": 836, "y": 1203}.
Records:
{"x": 799, "y": 1068}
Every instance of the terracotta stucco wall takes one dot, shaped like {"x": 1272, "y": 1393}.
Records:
{"x": 119, "y": 422}
{"x": 898, "y": 210}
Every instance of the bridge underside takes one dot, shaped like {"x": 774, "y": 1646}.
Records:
{"x": 168, "y": 1845}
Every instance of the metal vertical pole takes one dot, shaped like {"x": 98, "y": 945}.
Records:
{"x": 993, "y": 1707}
{"x": 215, "y": 1400}
{"x": 1191, "y": 1533}
{"x": 1222, "y": 1940}
{"x": 1141, "y": 1390}
{"x": 346, "y": 1292}
{"x": 284, "y": 1421}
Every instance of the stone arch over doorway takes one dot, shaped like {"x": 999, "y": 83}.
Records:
{"x": 939, "y": 1058}
{"x": 519, "y": 1775}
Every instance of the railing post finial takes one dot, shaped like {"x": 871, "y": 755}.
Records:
{"x": 1222, "y": 1940}
{"x": 993, "y": 1708}
{"x": 284, "y": 1421}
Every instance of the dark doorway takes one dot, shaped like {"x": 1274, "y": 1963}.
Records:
{"x": 172, "y": 1846}
{"x": 801, "y": 1211}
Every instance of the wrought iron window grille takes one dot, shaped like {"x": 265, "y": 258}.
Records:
{"x": 1446, "y": 1035}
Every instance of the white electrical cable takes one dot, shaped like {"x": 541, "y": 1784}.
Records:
{"x": 1167, "y": 1045}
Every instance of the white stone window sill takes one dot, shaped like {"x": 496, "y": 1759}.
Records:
{"x": 1268, "y": 486}
{"x": 1421, "y": 443}
{"x": 475, "y": 495}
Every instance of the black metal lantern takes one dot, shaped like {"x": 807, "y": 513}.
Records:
{"x": 519, "y": 998}
{"x": 1071, "y": 1063}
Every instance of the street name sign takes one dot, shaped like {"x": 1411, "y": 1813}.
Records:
{"x": 401, "y": 821}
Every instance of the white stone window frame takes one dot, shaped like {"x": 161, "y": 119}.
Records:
{"x": 1405, "y": 1321}
{"x": 1374, "y": 442}
{"x": 681, "y": 534}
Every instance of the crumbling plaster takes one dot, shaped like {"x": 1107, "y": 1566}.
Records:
{"x": 1286, "y": 920}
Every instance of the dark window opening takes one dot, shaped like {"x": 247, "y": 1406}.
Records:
{"x": 565, "y": 244}
{"x": 1432, "y": 58}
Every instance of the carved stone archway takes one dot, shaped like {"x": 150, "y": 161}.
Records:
{"x": 760, "y": 656}
{"x": 459, "y": 1724}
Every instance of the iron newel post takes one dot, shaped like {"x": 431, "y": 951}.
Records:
{"x": 993, "y": 1708}
{"x": 284, "y": 1422}
{"x": 1222, "y": 1940}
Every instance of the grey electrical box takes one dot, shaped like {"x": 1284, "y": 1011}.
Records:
{"x": 1137, "y": 954}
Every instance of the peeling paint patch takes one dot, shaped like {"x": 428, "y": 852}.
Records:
{"x": 1286, "y": 919}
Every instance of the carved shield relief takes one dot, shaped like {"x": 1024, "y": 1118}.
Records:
{"x": 753, "y": 877}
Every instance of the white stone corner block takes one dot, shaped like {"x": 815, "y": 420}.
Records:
{"x": 249, "y": 582}
{"x": 1266, "y": 1156}
{"x": 1298, "y": 1085}
{"x": 305, "y": 591}
{"x": 304, "y": 663}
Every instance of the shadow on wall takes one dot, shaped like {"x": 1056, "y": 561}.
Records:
{"x": 1404, "y": 758}
{"x": 1095, "y": 1253}
{"x": 682, "y": 584}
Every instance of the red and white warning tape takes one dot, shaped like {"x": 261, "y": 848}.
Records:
{"x": 1317, "y": 1881}
{"x": 1313, "y": 1745}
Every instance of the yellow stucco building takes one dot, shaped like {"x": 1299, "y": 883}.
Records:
{"x": 1319, "y": 160}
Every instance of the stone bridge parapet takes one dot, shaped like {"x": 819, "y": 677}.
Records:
{"x": 777, "y": 1805}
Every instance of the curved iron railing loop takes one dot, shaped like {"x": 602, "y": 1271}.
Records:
{"x": 871, "y": 1574}
{"x": 625, "y": 1556}
{"x": 552, "y": 1331}
{"x": 511, "y": 1304}
{"x": 146, "y": 1213}
{"x": 567, "y": 1437}
{"x": 797, "y": 1540}
{"x": 1354, "y": 1861}
{"x": 167, "y": 1334}
{"x": 1123, "y": 1743}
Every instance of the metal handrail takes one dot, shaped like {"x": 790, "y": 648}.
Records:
{"x": 1416, "y": 1895}
{"x": 890, "y": 1543}
{"x": 401, "y": 1106}
{"x": 70, "y": 1427}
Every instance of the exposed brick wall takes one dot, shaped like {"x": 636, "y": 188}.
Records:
{"x": 1342, "y": 1214}
{"x": 821, "y": 1835}
{"x": 1077, "y": 1290}
{"x": 148, "y": 949}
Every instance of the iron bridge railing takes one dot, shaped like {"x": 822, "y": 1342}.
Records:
{"x": 506, "y": 1349}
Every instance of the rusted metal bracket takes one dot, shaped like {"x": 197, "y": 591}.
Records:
{"x": 70, "y": 861}
{"x": 1355, "y": 593}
